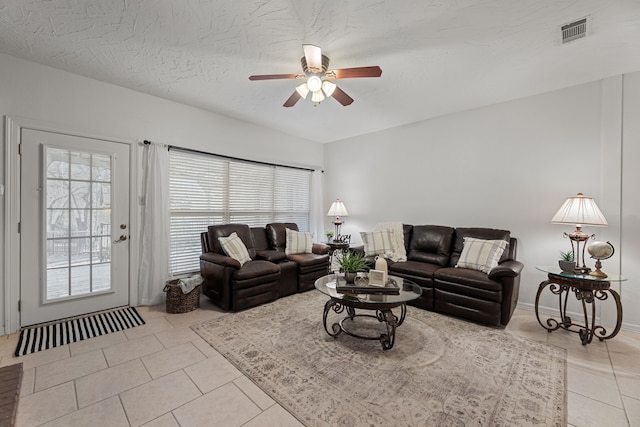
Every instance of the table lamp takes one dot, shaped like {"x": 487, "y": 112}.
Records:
{"x": 579, "y": 211}
{"x": 337, "y": 209}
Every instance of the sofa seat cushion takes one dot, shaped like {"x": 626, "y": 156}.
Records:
{"x": 414, "y": 268}
{"x": 254, "y": 273}
{"x": 465, "y": 276}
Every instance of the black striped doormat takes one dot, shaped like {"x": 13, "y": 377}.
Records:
{"x": 56, "y": 334}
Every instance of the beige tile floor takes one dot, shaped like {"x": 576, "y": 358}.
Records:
{"x": 163, "y": 374}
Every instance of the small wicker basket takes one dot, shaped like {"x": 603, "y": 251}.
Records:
{"x": 179, "y": 302}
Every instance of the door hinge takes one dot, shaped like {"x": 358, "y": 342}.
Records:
{"x": 20, "y": 149}
{"x": 19, "y": 305}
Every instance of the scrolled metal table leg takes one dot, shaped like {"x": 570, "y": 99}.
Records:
{"x": 586, "y": 332}
{"x": 337, "y": 308}
{"x": 551, "y": 323}
{"x": 600, "y": 331}
{"x": 391, "y": 321}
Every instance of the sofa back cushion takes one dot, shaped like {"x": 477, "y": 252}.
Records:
{"x": 242, "y": 230}
{"x": 431, "y": 243}
{"x": 260, "y": 238}
{"x": 277, "y": 234}
{"x": 408, "y": 231}
{"x": 477, "y": 233}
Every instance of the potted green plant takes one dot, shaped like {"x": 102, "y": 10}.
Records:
{"x": 566, "y": 262}
{"x": 351, "y": 262}
{"x": 329, "y": 235}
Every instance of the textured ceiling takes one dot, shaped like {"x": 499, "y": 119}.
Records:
{"x": 437, "y": 56}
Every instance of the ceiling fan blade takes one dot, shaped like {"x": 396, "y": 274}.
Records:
{"x": 295, "y": 96}
{"x": 313, "y": 56}
{"x": 340, "y": 96}
{"x": 349, "y": 73}
{"x": 275, "y": 76}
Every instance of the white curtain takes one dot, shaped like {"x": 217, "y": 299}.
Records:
{"x": 316, "y": 213}
{"x": 154, "y": 236}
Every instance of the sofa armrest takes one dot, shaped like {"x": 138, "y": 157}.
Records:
{"x": 222, "y": 260}
{"x": 506, "y": 269}
{"x": 271, "y": 255}
{"x": 320, "y": 249}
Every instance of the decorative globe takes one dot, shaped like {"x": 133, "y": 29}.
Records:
{"x": 600, "y": 250}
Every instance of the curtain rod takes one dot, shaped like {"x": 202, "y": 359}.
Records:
{"x": 191, "y": 150}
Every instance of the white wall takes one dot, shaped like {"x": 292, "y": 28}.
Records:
{"x": 75, "y": 103}
{"x": 630, "y": 239}
{"x": 506, "y": 166}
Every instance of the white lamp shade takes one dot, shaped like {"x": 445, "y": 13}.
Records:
{"x": 579, "y": 210}
{"x": 337, "y": 209}
{"x": 317, "y": 96}
{"x": 303, "y": 90}
{"x": 328, "y": 87}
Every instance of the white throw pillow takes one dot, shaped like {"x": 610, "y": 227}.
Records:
{"x": 480, "y": 254}
{"x": 234, "y": 247}
{"x": 396, "y": 234}
{"x": 376, "y": 242}
{"x": 297, "y": 242}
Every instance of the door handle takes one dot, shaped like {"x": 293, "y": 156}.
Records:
{"x": 121, "y": 239}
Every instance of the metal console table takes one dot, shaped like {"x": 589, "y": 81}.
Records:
{"x": 588, "y": 290}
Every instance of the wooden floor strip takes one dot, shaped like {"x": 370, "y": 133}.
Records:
{"x": 10, "y": 380}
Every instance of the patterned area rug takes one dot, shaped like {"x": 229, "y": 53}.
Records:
{"x": 441, "y": 371}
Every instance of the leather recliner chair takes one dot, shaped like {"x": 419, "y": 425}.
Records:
{"x": 226, "y": 282}
{"x": 310, "y": 266}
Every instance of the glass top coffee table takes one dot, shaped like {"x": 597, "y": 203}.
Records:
{"x": 382, "y": 304}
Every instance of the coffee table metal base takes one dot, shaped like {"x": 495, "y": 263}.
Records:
{"x": 383, "y": 315}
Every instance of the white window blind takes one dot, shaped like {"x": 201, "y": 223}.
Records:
{"x": 206, "y": 189}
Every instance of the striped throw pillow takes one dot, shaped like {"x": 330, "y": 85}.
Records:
{"x": 480, "y": 254}
{"x": 234, "y": 247}
{"x": 298, "y": 242}
{"x": 376, "y": 242}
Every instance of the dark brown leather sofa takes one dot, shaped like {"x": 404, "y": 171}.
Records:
{"x": 269, "y": 275}
{"x": 432, "y": 253}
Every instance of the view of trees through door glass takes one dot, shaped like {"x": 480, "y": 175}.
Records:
{"x": 78, "y": 222}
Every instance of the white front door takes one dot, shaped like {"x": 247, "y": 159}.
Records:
{"x": 74, "y": 239}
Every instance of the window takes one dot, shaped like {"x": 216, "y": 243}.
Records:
{"x": 206, "y": 189}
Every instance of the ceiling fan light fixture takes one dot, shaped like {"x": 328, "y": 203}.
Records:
{"x": 314, "y": 83}
{"x": 328, "y": 87}
{"x": 317, "y": 96}
{"x": 303, "y": 90}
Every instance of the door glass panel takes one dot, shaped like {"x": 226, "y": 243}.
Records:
{"x": 80, "y": 165}
{"x": 57, "y": 283}
{"x": 57, "y": 163}
{"x": 78, "y": 223}
{"x": 57, "y": 223}
{"x": 80, "y": 195}
{"x": 57, "y": 193}
{"x": 101, "y": 168}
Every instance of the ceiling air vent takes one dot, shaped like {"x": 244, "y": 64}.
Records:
{"x": 574, "y": 30}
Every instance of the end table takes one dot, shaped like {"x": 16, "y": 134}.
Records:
{"x": 587, "y": 289}
{"x": 333, "y": 247}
